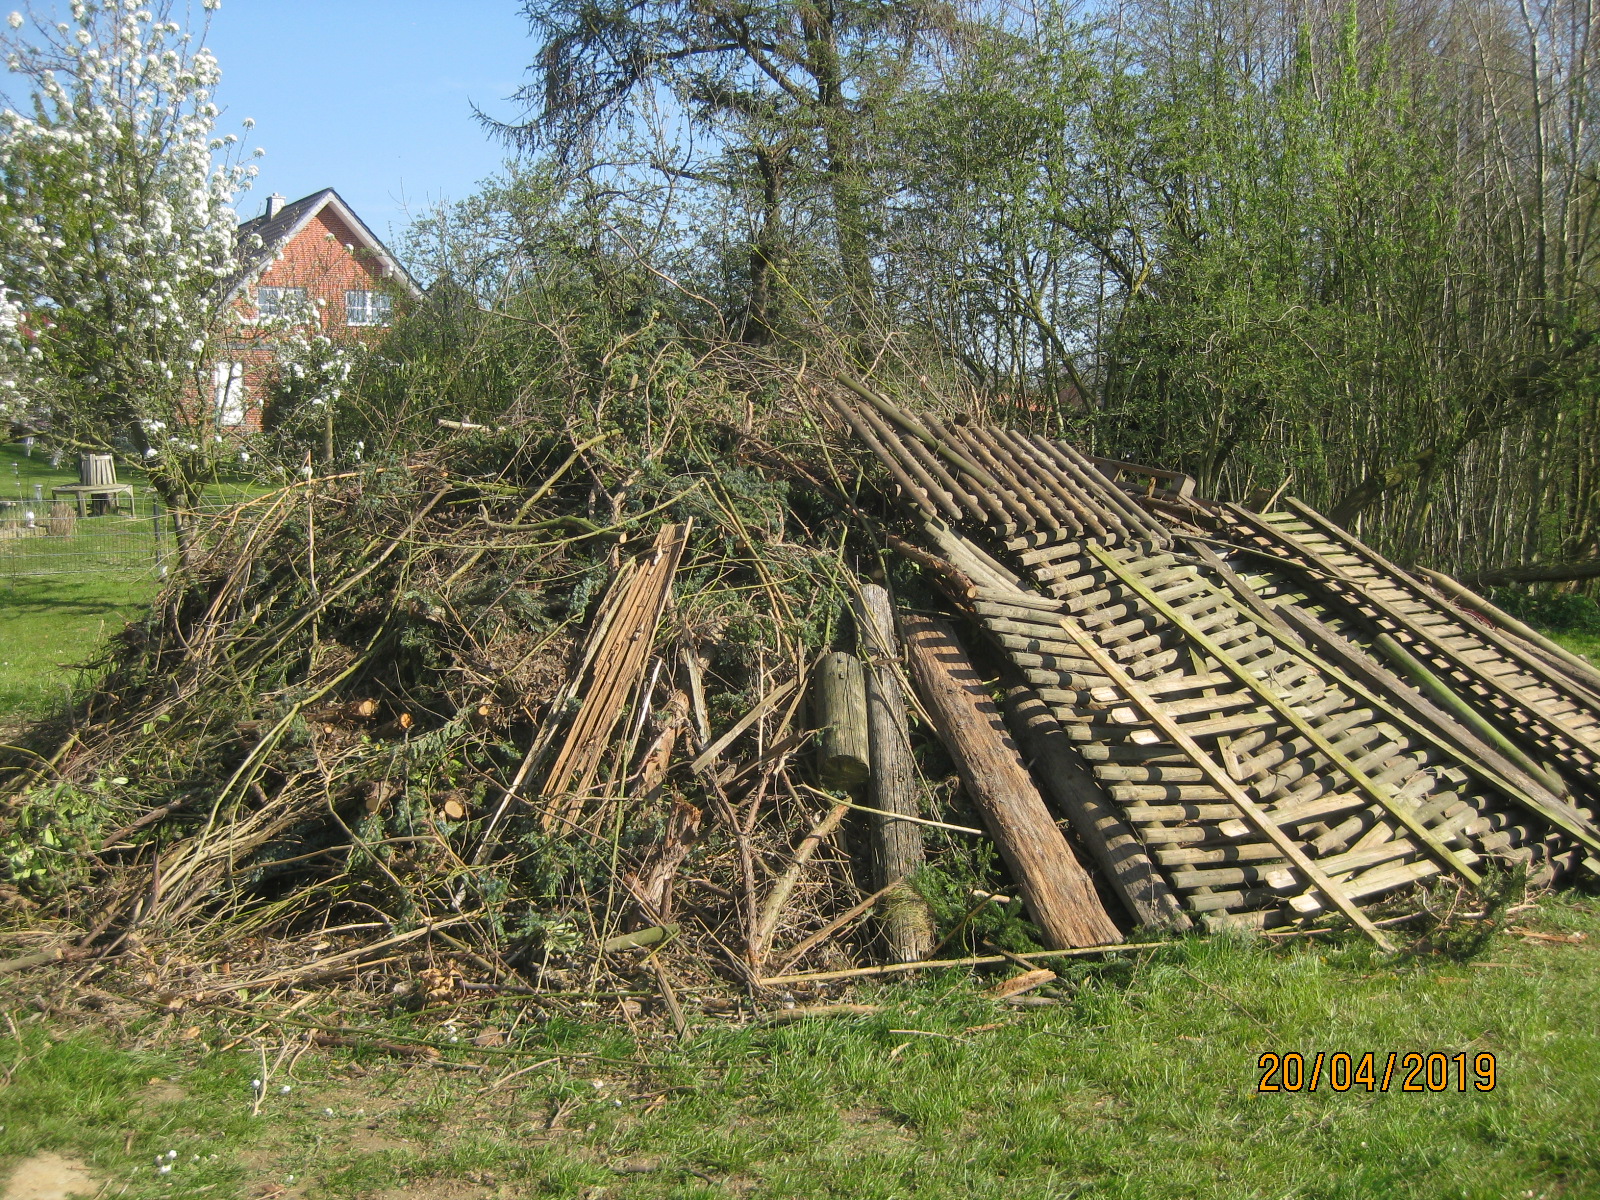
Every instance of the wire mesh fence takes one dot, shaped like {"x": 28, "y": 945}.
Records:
{"x": 125, "y": 534}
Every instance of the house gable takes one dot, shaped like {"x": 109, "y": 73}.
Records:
{"x": 320, "y": 249}
{"x": 326, "y": 257}
{"x": 266, "y": 241}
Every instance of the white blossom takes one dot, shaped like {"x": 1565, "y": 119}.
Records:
{"x": 139, "y": 249}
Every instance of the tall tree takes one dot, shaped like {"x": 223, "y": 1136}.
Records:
{"x": 764, "y": 98}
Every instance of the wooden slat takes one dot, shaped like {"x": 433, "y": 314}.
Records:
{"x": 1363, "y": 782}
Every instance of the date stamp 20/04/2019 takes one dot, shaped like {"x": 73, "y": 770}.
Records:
{"x": 1374, "y": 1071}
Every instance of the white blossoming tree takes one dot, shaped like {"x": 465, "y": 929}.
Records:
{"x": 117, "y": 234}
{"x": 19, "y": 386}
{"x": 309, "y": 376}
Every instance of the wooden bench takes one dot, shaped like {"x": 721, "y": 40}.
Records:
{"x": 104, "y": 495}
{"x": 97, "y": 483}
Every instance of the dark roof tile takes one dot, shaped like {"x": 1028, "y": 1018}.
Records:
{"x": 272, "y": 231}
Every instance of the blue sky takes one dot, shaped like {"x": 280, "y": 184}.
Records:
{"x": 370, "y": 97}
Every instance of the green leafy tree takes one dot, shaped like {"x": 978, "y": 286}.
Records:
{"x": 771, "y": 102}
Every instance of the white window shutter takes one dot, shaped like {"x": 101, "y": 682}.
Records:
{"x": 227, "y": 381}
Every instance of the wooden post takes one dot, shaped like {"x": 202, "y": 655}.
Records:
{"x": 843, "y": 757}
{"x": 908, "y": 925}
{"x": 1060, "y": 894}
{"x": 1118, "y": 850}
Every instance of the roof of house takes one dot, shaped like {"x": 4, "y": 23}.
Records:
{"x": 278, "y": 230}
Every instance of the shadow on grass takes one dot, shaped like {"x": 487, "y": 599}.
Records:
{"x": 51, "y": 629}
{"x": 63, "y": 596}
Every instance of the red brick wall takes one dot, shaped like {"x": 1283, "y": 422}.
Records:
{"x": 326, "y": 259}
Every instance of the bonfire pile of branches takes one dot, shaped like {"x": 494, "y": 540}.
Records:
{"x": 425, "y": 726}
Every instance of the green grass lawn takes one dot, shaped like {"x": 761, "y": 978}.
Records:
{"x": 1586, "y": 644}
{"x": 1141, "y": 1082}
{"x": 19, "y": 472}
{"x": 51, "y": 624}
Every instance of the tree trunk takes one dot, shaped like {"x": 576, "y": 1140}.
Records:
{"x": 766, "y": 254}
{"x": 1379, "y": 483}
{"x": 842, "y": 168}
{"x": 1583, "y": 568}
{"x": 180, "y": 495}
{"x": 1060, "y": 894}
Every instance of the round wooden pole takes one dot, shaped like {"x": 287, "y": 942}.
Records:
{"x": 843, "y": 757}
{"x": 908, "y": 925}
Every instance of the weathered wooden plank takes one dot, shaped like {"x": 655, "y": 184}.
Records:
{"x": 1252, "y": 812}
{"x": 1059, "y": 892}
{"x": 908, "y": 926}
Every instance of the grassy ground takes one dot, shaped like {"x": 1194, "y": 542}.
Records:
{"x": 19, "y": 472}
{"x": 1142, "y": 1082}
{"x": 51, "y": 624}
{"x": 1586, "y": 644}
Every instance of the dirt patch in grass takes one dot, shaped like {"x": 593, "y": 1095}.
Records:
{"x": 49, "y": 1177}
{"x": 443, "y": 1189}
{"x": 161, "y": 1091}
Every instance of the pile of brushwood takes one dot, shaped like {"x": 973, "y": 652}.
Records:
{"x": 522, "y": 712}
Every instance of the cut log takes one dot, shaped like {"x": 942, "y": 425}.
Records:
{"x": 1059, "y": 893}
{"x": 843, "y": 756}
{"x": 908, "y": 925}
{"x": 1081, "y": 799}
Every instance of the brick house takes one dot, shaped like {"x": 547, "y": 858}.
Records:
{"x": 313, "y": 260}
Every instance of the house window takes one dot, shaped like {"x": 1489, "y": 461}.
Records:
{"x": 227, "y": 392}
{"x": 366, "y": 308}
{"x": 280, "y": 301}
